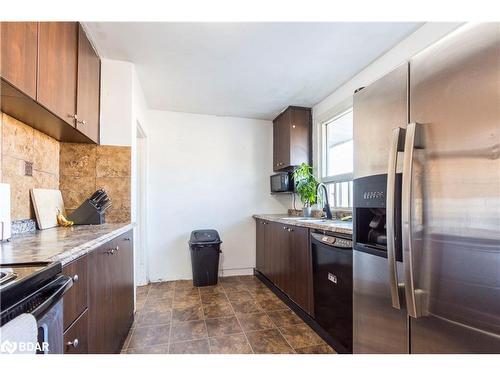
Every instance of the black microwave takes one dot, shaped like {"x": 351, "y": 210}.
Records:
{"x": 282, "y": 182}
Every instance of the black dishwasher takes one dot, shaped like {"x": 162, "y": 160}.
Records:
{"x": 332, "y": 282}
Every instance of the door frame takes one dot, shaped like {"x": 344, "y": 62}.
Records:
{"x": 140, "y": 240}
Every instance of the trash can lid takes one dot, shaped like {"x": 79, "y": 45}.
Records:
{"x": 203, "y": 236}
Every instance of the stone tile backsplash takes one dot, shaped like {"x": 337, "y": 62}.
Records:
{"x": 76, "y": 169}
{"x": 86, "y": 168}
{"x": 20, "y": 143}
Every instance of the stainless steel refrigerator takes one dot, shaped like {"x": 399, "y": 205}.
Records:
{"x": 426, "y": 264}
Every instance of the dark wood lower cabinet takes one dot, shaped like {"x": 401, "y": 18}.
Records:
{"x": 284, "y": 257}
{"x": 260, "y": 251}
{"x": 76, "y": 336}
{"x": 100, "y": 294}
{"x": 122, "y": 274}
{"x": 300, "y": 265}
{"x": 111, "y": 295}
{"x": 76, "y": 299}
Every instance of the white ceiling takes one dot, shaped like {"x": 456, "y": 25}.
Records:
{"x": 249, "y": 70}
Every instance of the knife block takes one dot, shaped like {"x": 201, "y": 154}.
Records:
{"x": 87, "y": 214}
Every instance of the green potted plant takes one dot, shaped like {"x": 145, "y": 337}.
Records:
{"x": 305, "y": 186}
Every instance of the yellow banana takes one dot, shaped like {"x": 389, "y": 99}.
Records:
{"x": 62, "y": 220}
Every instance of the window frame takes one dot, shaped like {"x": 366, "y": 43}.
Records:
{"x": 344, "y": 177}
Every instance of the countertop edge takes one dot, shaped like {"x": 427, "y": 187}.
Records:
{"x": 69, "y": 256}
{"x": 333, "y": 227}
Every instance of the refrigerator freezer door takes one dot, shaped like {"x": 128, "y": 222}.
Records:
{"x": 455, "y": 197}
{"x": 378, "y": 108}
{"x": 377, "y": 326}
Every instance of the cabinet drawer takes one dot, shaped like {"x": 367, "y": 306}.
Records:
{"x": 75, "y": 338}
{"x": 75, "y": 300}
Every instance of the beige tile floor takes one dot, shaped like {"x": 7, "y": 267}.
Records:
{"x": 238, "y": 316}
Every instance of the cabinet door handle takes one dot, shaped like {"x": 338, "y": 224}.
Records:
{"x": 126, "y": 239}
{"x": 73, "y": 116}
{"x": 81, "y": 122}
{"x": 73, "y": 343}
{"x": 75, "y": 278}
{"x": 113, "y": 251}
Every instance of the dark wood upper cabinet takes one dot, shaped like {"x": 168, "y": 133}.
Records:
{"x": 19, "y": 55}
{"x": 88, "y": 88}
{"x": 57, "y": 68}
{"x": 50, "y": 79}
{"x": 292, "y": 135}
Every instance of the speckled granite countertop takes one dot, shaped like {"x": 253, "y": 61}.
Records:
{"x": 59, "y": 244}
{"x": 338, "y": 226}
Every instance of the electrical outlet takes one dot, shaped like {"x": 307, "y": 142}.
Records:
{"x": 28, "y": 168}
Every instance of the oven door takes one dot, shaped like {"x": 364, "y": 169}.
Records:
{"x": 50, "y": 330}
{"x": 49, "y": 315}
{"x": 46, "y": 305}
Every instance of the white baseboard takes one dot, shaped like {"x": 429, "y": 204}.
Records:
{"x": 224, "y": 272}
{"x": 236, "y": 272}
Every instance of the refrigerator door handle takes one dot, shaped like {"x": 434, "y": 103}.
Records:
{"x": 397, "y": 144}
{"x": 411, "y": 142}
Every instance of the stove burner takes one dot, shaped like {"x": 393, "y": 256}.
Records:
{"x": 6, "y": 276}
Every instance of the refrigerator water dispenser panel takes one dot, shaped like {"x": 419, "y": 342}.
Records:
{"x": 370, "y": 231}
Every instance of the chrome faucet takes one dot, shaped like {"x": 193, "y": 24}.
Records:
{"x": 326, "y": 208}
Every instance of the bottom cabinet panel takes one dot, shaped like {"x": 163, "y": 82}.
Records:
{"x": 260, "y": 251}
{"x": 75, "y": 300}
{"x": 283, "y": 255}
{"x": 301, "y": 269}
{"x": 100, "y": 299}
{"x": 122, "y": 308}
{"x": 111, "y": 294}
{"x": 75, "y": 338}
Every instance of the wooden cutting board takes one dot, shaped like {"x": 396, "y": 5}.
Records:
{"x": 46, "y": 203}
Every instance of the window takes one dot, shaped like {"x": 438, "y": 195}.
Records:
{"x": 338, "y": 159}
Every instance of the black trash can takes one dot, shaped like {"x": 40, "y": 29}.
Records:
{"x": 204, "y": 245}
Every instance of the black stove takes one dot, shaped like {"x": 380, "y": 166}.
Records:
{"x": 20, "y": 281}
{"x": 36, "y": 289}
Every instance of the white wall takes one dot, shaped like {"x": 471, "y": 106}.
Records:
{"x": 206, "y": 172}
{"x": 341, "y": 99}
{"x": 116, "y": 102}
{"x": 122, "y": 107}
